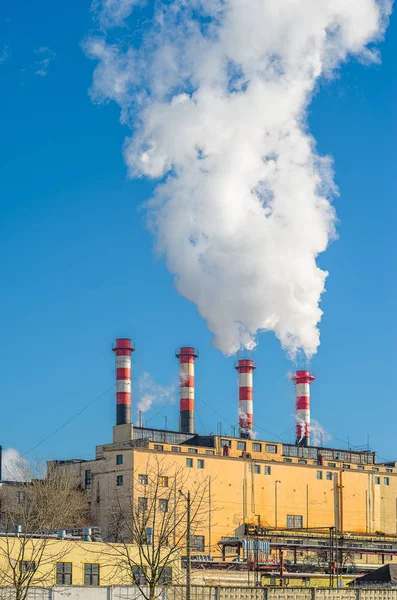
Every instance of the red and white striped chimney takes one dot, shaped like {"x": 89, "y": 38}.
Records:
{"x": 123, "y": 350}
{"x": 245, "y": 370}
{"x": 302, "y": 379}
{"x": 186, "y": 355}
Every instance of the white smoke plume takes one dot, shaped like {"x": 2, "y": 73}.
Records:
{"x": 152, "y": 394}
{"x": 216, "y": 94}
{"x": 318, "y": 435}
{"x": 14, "y": 466}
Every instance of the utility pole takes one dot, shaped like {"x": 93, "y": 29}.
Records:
{"x": 188, "y": 552}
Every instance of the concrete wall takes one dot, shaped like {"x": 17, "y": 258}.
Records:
{"x": 208, "y": 593}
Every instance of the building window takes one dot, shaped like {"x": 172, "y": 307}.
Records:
{"x": 267, "y": 470}
{"x": 302, "y": 461}
{"x": 257, "y": 469}
{"x": 271, "y": 448}
{"x": 139, "y": 575}
{"x": 360, "y": 467}
{"x": 176, "y": 448}
{"x": 143, "y": 479}
{"x": 346, "y": 466}
{"x": 158, "y": 447}
{"x": 119, "y": 459}
{"x": 142, "y": 504}
{"x": 319, "y": 474}
{"x": 225, "y": 442}
{"x": 119, "y": 480}
{"x": 189, "y": 462}
{"x": 192, "y": 450}
{"x": 20, "y": 497}
{"x": 389, "y": 557}
{"x": 197, "y": 543}
{"x": 163, "y": 505}
{"x": 91, "y": 574}
{"x": 377, "y": 480}
{"x": 27, "y": 566}
{"x": 241, "y": 445}
{"x": 389, "y": 470}
{"x": 165, "y": 575}
{"x": 329, "y": 476}
{"x": 64, "y": 573}
{"x": 88, "y": 479}
{"x": 332, "y": 465}
{"x": 375, "y": 469}
{"x": 210, "y": 452}
{"x": 200, "y": 463}
{"x": 386, "y": 480}
{"x": 163, "y": 481}
{"x": 256, "y": 447}
{"x": 294, "y": 521}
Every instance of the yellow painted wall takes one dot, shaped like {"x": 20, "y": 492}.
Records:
{"x": 350, "y": 500}
{"x": 109, "y": 556}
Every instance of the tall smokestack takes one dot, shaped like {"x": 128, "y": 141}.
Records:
{"x": 186, "y": 356}
{"x": 303, "y": 379}
{"x": 123, "y": 350}
{"x": 245, "y": 370}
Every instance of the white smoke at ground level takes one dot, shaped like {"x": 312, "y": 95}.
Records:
{"x": 151, "y": 394}
{"x": 14, "y": 466}
{"x": 217, "y": 96}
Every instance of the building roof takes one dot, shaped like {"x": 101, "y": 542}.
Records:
{"x": 385, "y": 574}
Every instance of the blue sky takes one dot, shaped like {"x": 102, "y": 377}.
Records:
{"x": 77, "y": 266}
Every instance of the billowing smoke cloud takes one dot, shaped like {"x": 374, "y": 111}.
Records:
{"x": 14, "y": 466}
{"x": 216, "y": 94}
{"x": 152, "y": 394}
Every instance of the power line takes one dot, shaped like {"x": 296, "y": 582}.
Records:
{"x": 68, "y": 421}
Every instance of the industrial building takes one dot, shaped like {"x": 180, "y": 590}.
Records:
{"x": 326, "y": 509}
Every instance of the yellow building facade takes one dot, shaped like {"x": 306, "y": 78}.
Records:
{"x": 71, "y": 562}
{"x": 258, "y": 488}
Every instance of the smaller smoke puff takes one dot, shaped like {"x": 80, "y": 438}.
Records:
{"x": 319, "y": 436}
{"x": 151, "y": 394}
{"x": 14, "y": 466}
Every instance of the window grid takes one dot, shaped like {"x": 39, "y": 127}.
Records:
{"x": 91, "y": 574}
{"x": 64, "y": 573}
{"x": 197, "y": 543}
{"x": 294, "y": 521}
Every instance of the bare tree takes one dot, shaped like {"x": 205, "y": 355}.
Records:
{"x": 150, "y": 525}
{"x": 31, "y": 512}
